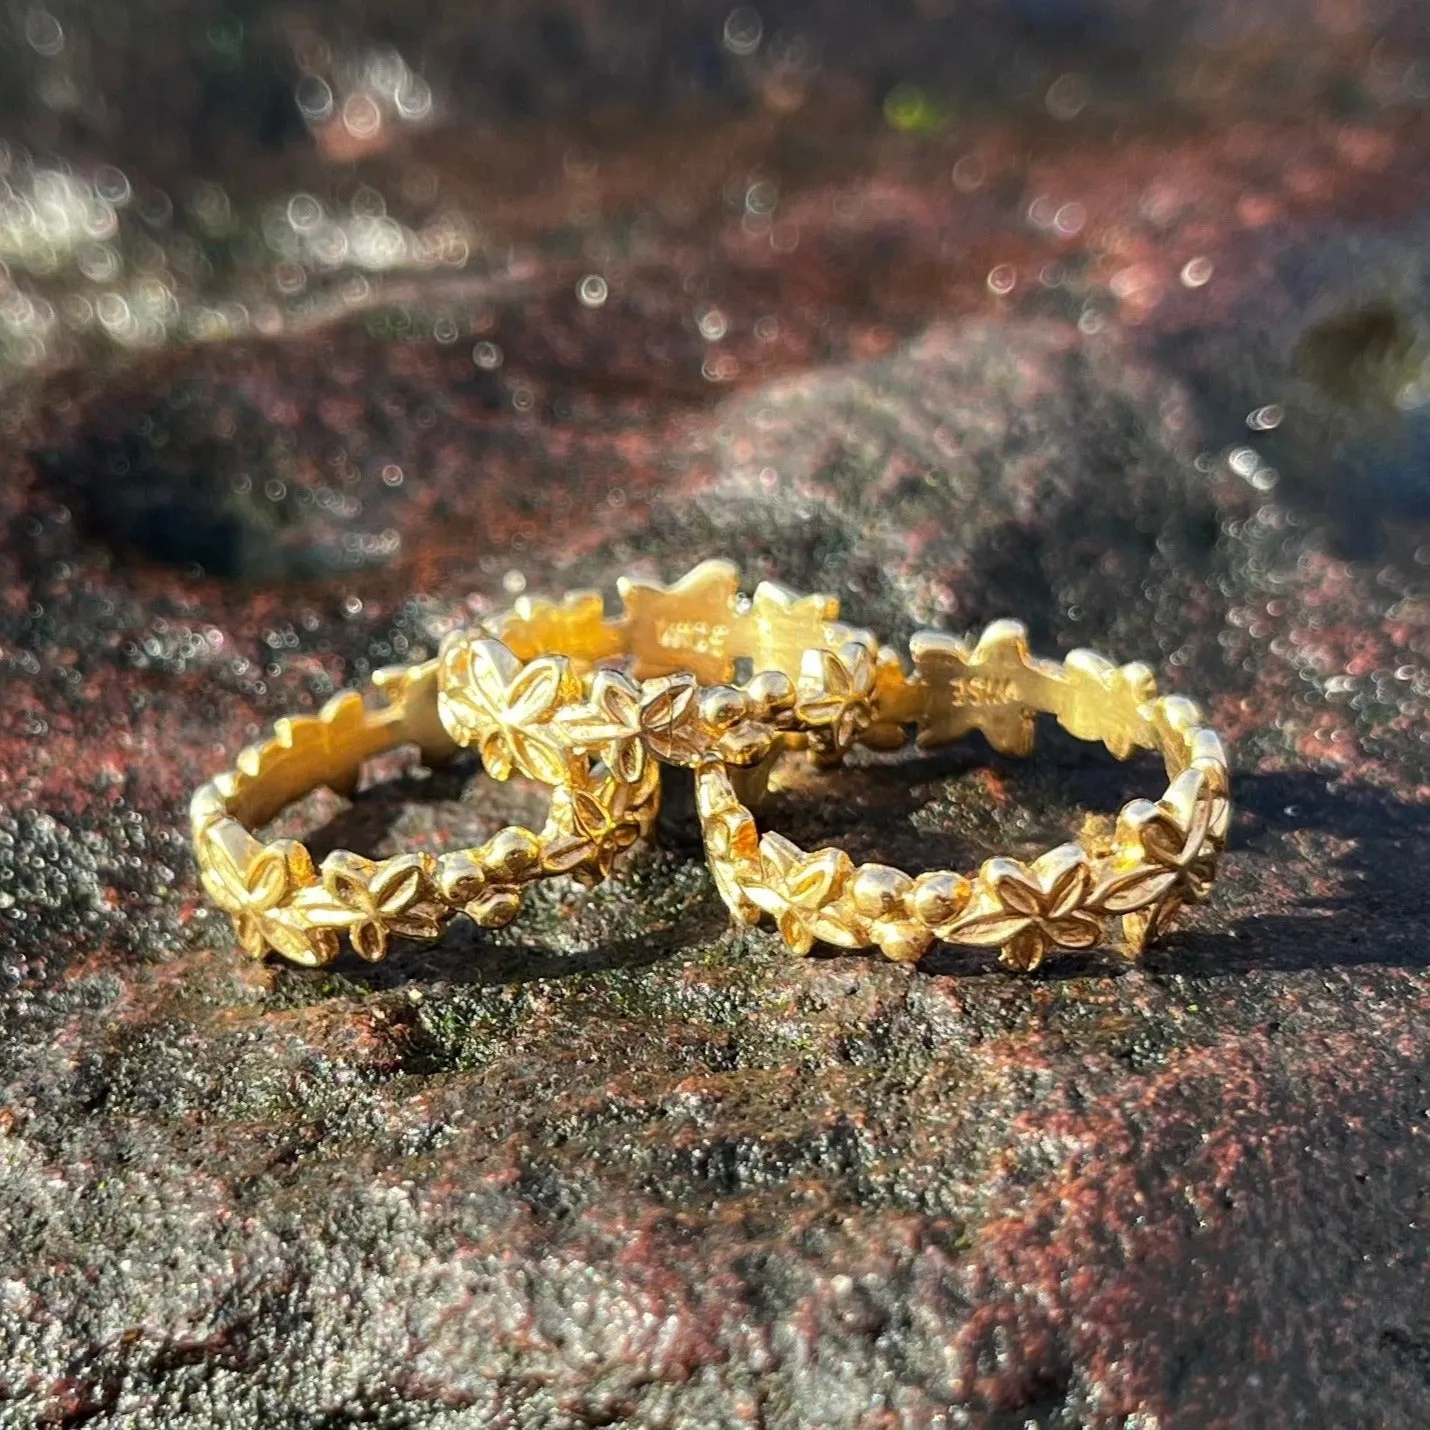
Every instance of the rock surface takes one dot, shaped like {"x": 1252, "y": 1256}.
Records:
{"x": 979, "y": 346}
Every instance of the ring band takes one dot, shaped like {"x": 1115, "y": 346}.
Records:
{"x": 723, "y": 684}
{"x": 1156, "y": 858}
{"x": 511, "y": 687}
{"x": 278, "y": 899}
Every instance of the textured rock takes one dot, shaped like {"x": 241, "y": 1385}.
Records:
{"x": 619, "y": 1164}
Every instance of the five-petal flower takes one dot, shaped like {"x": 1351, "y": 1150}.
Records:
{"x": 255, "y": 884}
{"x": 504, "y": 707}
{"x": 836, "y": 698}
{"x": 372, "y": 902}
{"x": 625, "y": 721}
{"x": 802, "y": 892}
{"x": 1165, "y": 857}
{"x": 1025, "y": 910}
{"x": 590, "y": 828}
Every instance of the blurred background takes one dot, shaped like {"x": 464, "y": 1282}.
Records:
{"x": 288, "y": 292}
{"x": 1033, "y": 304}
{"x": 326, "y": 328}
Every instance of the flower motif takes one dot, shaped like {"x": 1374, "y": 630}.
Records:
{"x": 882, "y": 896}
{"x": 625, "y": 721}
{"x": 504, "y": 707}
{"x": 1165, "y": 857}
{"x": 590, "y": 828}
{"x": 1027, "y": 910}
{"x": 488, "y": 882}
{"x": 836, "y": 693}
{"x": 373, "y": 902}
{"x": 732, "y": 849}
{"x": 670, "y": 719}
{"x": 254, "y": 883}
{"x": 801, "y": 892}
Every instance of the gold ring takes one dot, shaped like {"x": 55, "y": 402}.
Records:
{"x": 662, "y": 674}
{"x": 695, "y": 674}
{"x": 278, "y": 899}
{"x": 1156, "y": 858}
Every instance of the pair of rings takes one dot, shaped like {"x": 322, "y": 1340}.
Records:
{"x": 694, "y": 674}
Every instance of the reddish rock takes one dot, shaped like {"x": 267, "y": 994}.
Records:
{"x": 618, "y": 1164}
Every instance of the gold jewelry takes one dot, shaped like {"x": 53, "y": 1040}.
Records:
{"x": 535, "y": 693}
{"x": 279, "y": 900}
{"x": 1155, "y": 858}
{"x": 505, "y": 690}
{"x": 826, "y": 686}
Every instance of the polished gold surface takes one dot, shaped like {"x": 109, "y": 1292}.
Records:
{"x": 591, "y": 704}
{"x": 280, "y": 900}
{"x": 1141, "y": 869}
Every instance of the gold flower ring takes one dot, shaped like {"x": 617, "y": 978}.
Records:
{"x": 813, "y": 682}
{"x": 277, "y": 897}
{"x": 1156, "y": 858}
{"x": 662, "y": 685}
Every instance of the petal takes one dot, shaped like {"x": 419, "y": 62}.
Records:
{"x": 538, "y": 690}
{"x": 346, "y": 877}
{"x": 768, "y": 900}
{"x": 494, "y": 751}
{"x": 491, "y": 669}
{"x": 1165, "y": 914}
{"x": 297, "y": 942}
{"x": 820, "y": 710}
{"x": 1013, "y": 886}
{"x": 220, "y": 891}
{"x": 1075, "y": 931}
{"x": 987, "y": 930}
{"x": 540, "y": 756}
{"x": 627, "y": 760}
{"x": 420, "y": 923}
{"x": 1025, "y": 951}
{"x": 778, "y": 856}
{"x": 248, "y": 929}
{"x": 799, "y": 939}
{"x": 1065, "y": 875}
{"x": 369, "y": 939}
{"x": 858, "y": 661}
{"x": 566, "y": 853}
{"x": 1163, "y": 840}
{"x": 1137, "y": 930}
{"x": 854, "y": 721}
{"x": 325, "y": 911}
{"x": 819, "y": 879}
{"x": 821, "y": 674}
{"x": 731, "y": 837}
{"x": 585, "y": 814}
{"x": 496, "y": 908}
{"x": 669, "y": 702}
{"x": 838, "y": 925}
{"x": 400, "y": 883}
{"x": 618, "y": 697}
{"x": 225, "y": 853}
{"x": 1198, "y": 878}
{"x": 267, "y": 879}
{"x": 1134, "y": 890}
